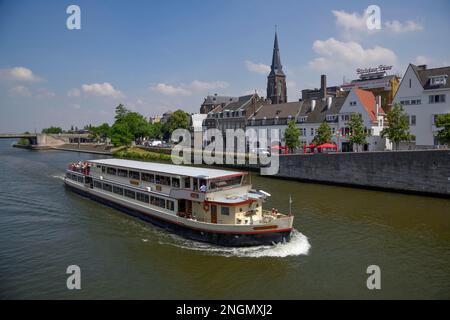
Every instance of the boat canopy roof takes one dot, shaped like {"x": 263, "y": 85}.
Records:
{"x": 196, "y": 172}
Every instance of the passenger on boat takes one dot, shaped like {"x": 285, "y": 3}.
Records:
{"x": 202, "y": 188}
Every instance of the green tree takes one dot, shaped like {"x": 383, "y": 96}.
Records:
{"x": 323, "y": 135}
{"x": 137, "y": 125}
{"x": 52, "y": 130}
{"x": 398, "y": 126}
{"x": 156, "y": 131}
{"x": 103, "y": 131}
{"x": 442, "y": 122}
{"x": 357, "y": 130}
{"x": 120, "y": 134}
{"x": 292, "y": 135}
{"x": 178, "y": 120}
{"x": 121, "y": 112}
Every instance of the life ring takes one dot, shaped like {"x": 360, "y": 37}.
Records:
{"x": 206, "y": 207}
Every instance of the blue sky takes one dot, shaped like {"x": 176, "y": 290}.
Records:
{"x": 155, "y": 56}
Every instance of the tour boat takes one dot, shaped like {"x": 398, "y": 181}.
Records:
{"x": 203, "y": 204}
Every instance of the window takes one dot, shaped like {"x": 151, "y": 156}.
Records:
{"x": 122, "y": 173}
{"x": 111, "y": 171}
{"x": 130, "y": 194}
{"x": 225, "y": 211}
{"x": 80, "y": 179}
{"x": 118, "y": 190}
{"x": 312, "y": 131}
{"x": 159, "y": 202}
{"x": 410, "y": 83}
{"x": 175, "y": 182}
{"x": 107, "y": 187}
{"x": 438, "y": 80}
{"x": 170, "y": 205}
{"x": 163, "y": 180}
{"x": 97, "y": 184}
{"x": 413, "y": 120}
{"x": 437, "y": 98}
{"x": 134, "y": 175}
{"x": 103, "y": 169}
{"x": 142, "y": 197}
{"x": 353, "y": 103}
{"x": 148, "y": 177}
{"x": 187, "y": 183}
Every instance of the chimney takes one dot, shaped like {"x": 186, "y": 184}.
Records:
{"x": 378, "y": 104}
{"x": 329, "y": 100}
{"x": 422, "y": 67}
{"x": 313, "y": 104}
{"x": 323, "y": 86}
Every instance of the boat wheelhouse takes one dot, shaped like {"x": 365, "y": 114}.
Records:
{"x": 217, "y": 206}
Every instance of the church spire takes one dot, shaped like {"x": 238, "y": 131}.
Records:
{"x": 276, "y": 81}
{"x": 276, "y": 68}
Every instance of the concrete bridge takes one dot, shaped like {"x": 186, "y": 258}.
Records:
{"x": 45, "y": 140}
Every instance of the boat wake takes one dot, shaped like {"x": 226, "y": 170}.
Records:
{"x": 299, "y": 245}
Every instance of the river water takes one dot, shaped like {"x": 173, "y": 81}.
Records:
{"x": 340, "y": 231}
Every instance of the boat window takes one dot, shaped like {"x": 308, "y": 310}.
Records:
{"x": 74, "y": 177}
{"x": 225, "y": 211}
{"x": 80, "y": 179}
{"x": 163, "y": 180}
{"x": 222, "y": 183}
{"x": 142, "y": 197}
{"x": 97, "y": 184}
{"x": 99, "y": 166}
{"x": 148, "y": 177}
{"x": 118, "y": 190}
{"x": 68, "y": 175}
{"x": 175, "y": 182}
{"x": 130, "y": 194}
{"x": 112, "y": 171}
{"x": 187, "y": 182}
{"x": 103, "y": 169}
{"x": 107, "y": 187}
{"x": 158, "y": 202}
{"x": 134, "y": 175}
{"x": 170, "y": 205}
{"x": 122, "y": 173}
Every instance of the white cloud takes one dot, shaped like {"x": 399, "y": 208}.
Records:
{"x": 396, "y": 26}
{"x": 257, "y": 67}
{"x": 169, "y": 90}
{"x": 44, "y": 93}
{"x": 188, "y": 89}
{"x": 422, "y": 60}
{"x": 19, "y": 74}
{"x": 354, "y": 25}
{"x": 101, "y": 89}
{"x": 20, "y": 91}
{"x": 75, "y": 92}
{"x": 335, "y": 54}
{"x": 76, "y": 106}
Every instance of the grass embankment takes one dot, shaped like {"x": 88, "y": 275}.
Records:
{"x": 136, "y": 153}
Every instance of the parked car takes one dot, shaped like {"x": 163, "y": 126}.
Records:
{"x": 259, "y": 151}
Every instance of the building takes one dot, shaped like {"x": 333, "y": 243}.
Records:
{"x": 324, "y": 91}
{"x": 377, "y": 81}
{"x": 213, "y": 101}
{"x": 273, "y": 117}
{"x": 154, "y": 119}
{"x": 165, "y": 117}
{"x": 276, "y": 80}
{"x": 365, "y": 103}
{"x": 424, "y": 93}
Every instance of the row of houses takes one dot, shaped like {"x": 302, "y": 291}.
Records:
{"x": 422, "y": 92}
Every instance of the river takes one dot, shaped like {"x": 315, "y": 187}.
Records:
{"x": 339, "y": 232}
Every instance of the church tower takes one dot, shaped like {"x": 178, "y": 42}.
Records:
{"x": 276, "y": 81}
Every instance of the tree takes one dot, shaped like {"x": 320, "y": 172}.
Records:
{"x": 52, "y": 130}
{"x": 398, "y": 125}
{"x": 120, "y": 134}
{"x": 323, "y": 135}
{"x": 137, "y": 125}
{"x": 442, "y": 122}
{"x": 356, "y": 127}
{"x": 156, "y": 131}
{"x": 103, "y": 131}
{"x": 178, "y": 120}
{"x": 121, "y": 112}
{"x": 292, "y": 135}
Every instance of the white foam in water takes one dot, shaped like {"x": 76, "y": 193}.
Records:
{"x": 58, "y": 177}
{"x": 298, "y": 245}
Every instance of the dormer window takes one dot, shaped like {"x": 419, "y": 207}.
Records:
{"x": 302, "y": 118}
{"x": 438, "y": 80}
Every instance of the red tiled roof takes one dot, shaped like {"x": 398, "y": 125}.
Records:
{"x": 368, "y": 101}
